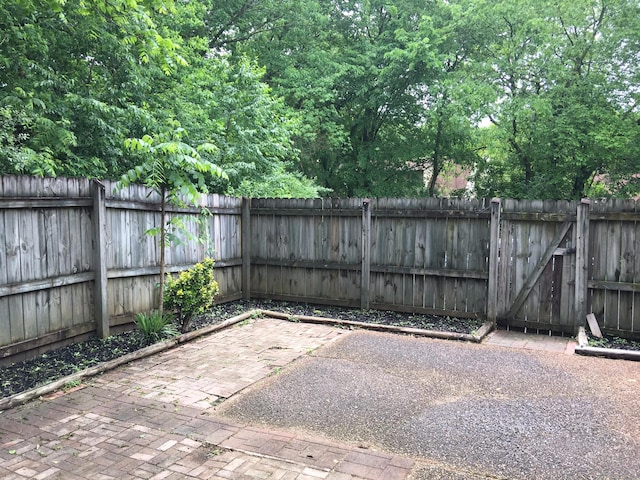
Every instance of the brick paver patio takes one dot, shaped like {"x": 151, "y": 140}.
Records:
{"x": 529, "y": 341}
{"x": 156, "y": 418}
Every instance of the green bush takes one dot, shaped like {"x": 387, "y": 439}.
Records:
{"x": 191, "y": 293}
{"x": 154, "y": 326}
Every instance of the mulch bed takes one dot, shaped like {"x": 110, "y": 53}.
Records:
{"x": 610, "y": 341}
{"x": 51, "y": 366}
{"x": 22, "y": 376}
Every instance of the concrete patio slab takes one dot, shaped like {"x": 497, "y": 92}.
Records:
{"x": 525, "y": 413}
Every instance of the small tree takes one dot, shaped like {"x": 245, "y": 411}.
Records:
{"x": 174, "y": 170}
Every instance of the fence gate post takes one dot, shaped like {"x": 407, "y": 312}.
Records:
{"x": 100, "y": 260}
{"x": 366, "y": 255}
{"x": 494, "y": 243}
{"x": 246, "y": 248}
{"x": 582, "y": 261}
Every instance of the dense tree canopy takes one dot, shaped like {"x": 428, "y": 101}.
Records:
{"x": 77, "y": 79}
{"x": 341, "y": 97}
{"x": 566, "y": 81}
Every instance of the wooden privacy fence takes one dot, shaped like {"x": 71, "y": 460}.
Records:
{"x": 75, "y": 259}
{"x": 528, "y": 263}
{"x": 427, "y": 255}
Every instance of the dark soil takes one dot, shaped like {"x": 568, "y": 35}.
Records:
{"x": 48, "y": 367}
{"x": 609, "y": 341}
{"x": 380, "y": 317}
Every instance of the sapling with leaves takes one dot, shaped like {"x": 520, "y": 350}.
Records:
{"x": 177, "y": 172}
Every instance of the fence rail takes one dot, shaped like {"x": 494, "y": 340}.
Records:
{"x": 75, "y": 258}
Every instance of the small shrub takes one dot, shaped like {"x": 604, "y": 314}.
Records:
{"x": 191, "y": 293}
{"x": 154, "y": 326}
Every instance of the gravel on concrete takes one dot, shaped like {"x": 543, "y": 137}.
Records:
{"x": 473, "y": 411}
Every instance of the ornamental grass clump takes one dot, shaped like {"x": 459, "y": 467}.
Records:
{"x": 155, "y": 326}
{"x": 191, "y": 293}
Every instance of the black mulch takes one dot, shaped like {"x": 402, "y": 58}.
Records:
{"x": 610, "y": 341}
{"x": 48, "y": 367}
{"x": 21, "y": 376}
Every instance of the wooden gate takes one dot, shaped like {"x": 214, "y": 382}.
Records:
{"x": 536, "y": 271}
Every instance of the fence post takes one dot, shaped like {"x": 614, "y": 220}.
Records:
{"x": 246, "y": 248}
{"x": 582, "y": 261}
{"x": 100, "y": 259}
{"x": 494, "y": 248}
{"x": 366, "y": 255}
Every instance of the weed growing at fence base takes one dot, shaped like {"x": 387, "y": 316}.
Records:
{"x": 610, "y": 341}
{"x": 50, "y": 366}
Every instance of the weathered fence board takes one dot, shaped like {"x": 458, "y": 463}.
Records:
{"x": 615, "y": 267}
{"x": 430, "y": 255}
{"x": 305, "y": 249}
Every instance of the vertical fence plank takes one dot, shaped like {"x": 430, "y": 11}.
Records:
{"x": 5, "y": 325}
{"x": 365, "y": 277}
{"x": 29, "y": 264}
{"x": 494, "y": 252}
{"x": 12, "y": 246}
{"x": 246, "y": 248}
{"x": 582, "y": 261}
{"x": 75, "y": 249}
{"x": 626, "y": 266}
{"x": 611, "y": 319}
{"x": 100, "y": 260}
{"x": 478, "y": 258}
{"x": 598, "y": 239}
{"x": 635, "y": 310}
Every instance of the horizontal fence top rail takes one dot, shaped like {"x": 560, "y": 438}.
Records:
{"x": 25, "y": 187}
{"x": 39, "y": 202}
{"x": 381, "y": 207}
{"x": 139, "y": 197}
{"x": 154, "y": 207}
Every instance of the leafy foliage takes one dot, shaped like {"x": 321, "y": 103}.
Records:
{"x": 565, "y": 109}
{"x": 155, "y": 326}
{"x": 79, "y": 79}
{"x": 611, "y": 341}
{"x": 538, "y": 99}
{"x": 70, "y": 76}
{"x": 279, "y": 183}
{"x": 176, "y": 171}
{"x": 389, "y": 89}
{"x": 170, "y": 166}
{"x": 192, "y": 292}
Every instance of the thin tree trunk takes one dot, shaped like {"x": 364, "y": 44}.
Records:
{"x": 436, "y": 160}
